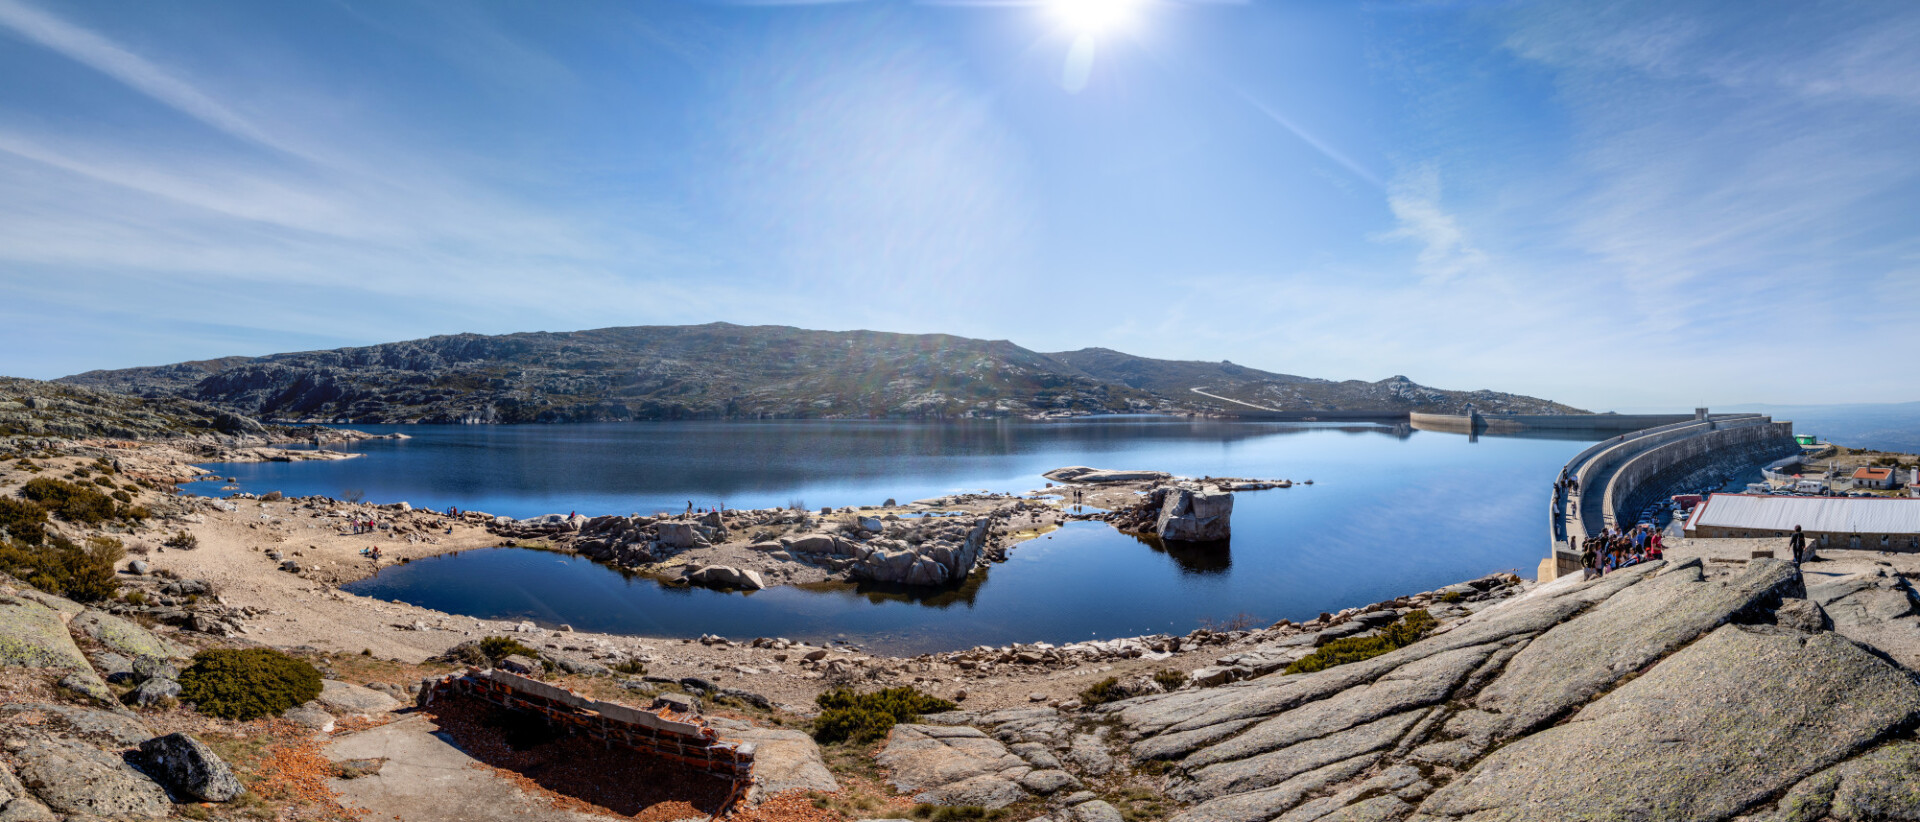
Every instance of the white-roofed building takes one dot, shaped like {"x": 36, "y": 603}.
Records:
{"x": 1877, "y": 523}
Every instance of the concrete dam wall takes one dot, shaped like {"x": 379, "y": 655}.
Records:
{"x": 1515, "y": 423}
{"x": 1620, "y": 476}
{"x": 1685, "y": 464}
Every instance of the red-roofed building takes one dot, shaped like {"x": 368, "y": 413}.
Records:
{"x": 1880, "y": 478}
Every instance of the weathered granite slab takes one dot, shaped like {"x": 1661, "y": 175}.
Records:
{"x": 1737, "y": 717}
{"x": 1274, "y": 767}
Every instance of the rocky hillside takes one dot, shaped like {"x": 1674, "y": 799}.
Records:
{"x": 1287, "y": 392}
{"x": 728, "y": 371}
{"x": 31, "y": 408}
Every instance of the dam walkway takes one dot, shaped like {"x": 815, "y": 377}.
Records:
{"x": 1617, "y": 477}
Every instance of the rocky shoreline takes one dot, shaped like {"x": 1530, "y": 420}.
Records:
{"x": 1422, "y": 706}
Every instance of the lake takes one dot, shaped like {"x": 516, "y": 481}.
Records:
{"x": 1391, "y": 511}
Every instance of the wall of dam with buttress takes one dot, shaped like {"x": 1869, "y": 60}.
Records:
{"x": 1475, "y": 422}
{"x": 1478, "y": 423}
{"x": 1619, "y": 477}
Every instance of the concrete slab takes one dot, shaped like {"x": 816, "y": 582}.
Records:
{"x": 426, "y": 777}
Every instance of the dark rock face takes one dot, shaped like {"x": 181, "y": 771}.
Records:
{"x": 189, "y": 768}
{"x": 1663, "y": 691}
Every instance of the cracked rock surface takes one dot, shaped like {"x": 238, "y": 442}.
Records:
{"x": 1668, "y": 690}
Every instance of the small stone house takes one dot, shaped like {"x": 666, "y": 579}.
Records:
{"x": 1875, "y": 478}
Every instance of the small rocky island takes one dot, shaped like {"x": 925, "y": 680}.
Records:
{"x": 931, "y": 542}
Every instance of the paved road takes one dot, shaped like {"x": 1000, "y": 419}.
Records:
{"x": 1203, "y": 392}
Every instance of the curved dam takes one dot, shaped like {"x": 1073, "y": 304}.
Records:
{"x": 1619, "y": 477}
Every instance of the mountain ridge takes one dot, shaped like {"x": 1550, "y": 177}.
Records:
{"x": 722, "y": 370}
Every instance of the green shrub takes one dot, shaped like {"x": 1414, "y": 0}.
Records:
{"x": 497, "y": 648}
{"x": 182, "y": 541}
{"x": 1406, "y": 631}
{"x": 1452, "y": 596}
{"x": 68, "y": 501}
{"x": 23, "y": 520}
{"x": 852, "y": 724}
{"x": 631, "y": 667}
{"x": 1104, "y": 691}
{"x": 1170, "y": 679}
{"x": 847, "y": 715}
{"x": 247, "y": 683}
{"x": 121, "y": 496}
{"x": 63, "y": 567}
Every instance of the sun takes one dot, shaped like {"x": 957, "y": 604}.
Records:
{"x": 1094, "y": 16}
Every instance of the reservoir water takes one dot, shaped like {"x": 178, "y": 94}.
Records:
{"x": 1391, "y": 511}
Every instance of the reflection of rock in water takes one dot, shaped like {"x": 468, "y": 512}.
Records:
{"x": 1192, "y": 557}
{"x": 933, "y": 597}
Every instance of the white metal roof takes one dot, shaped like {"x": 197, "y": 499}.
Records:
{"x": 1840, "y": 515}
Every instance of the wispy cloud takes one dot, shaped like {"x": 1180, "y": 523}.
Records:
{"x": 107, "y": 57}
{"x": 374, "y": 230}
{"x": 1326, "y": 149}
{"x": 1445, "y": 252}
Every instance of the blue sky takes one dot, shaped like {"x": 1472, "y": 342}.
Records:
{"x": 1623, "y": 204}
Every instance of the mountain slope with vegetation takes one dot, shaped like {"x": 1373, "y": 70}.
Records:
{"x": 31, "y": 408}
{"x": 721, "y": 370}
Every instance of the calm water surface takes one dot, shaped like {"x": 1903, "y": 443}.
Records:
{"x": 1390, "y": 512}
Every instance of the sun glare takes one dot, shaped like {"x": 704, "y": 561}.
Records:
{"x": 1094, "y": 16}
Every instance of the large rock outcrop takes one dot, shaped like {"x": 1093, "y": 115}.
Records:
{"x": 1662, "y": 691}
{"x": 78, "y": 779}
{"x": 953, "y": 765}
{"x": 1194, "y": 514}
{"x": 1096, "y": 476}
{"x": 925, "y": 552}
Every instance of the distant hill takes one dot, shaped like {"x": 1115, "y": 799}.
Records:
{"x": 1286, "y": 392}
{"x": 722, "y": 370}
{"x": 31, "y": 408}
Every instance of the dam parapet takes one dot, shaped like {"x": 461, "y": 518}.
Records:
{"x": 1477, "y": 422}
{"x": 1615, "y": 479}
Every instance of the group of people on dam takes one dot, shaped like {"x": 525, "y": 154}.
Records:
{"x": 1613, "y": 549}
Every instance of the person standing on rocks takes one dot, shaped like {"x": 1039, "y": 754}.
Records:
{"x": 1798, "y": 542}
